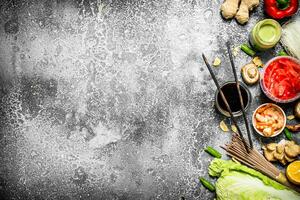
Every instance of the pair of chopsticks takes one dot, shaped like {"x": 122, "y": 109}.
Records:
{"x": 225, "y": 100}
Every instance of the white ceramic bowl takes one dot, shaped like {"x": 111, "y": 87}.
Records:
{"x": 276, "y": 132}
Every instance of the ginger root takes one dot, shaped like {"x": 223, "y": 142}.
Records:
{"x": 284, "y": 151}
{"x": 238, "y": 9}
{"x": 229, "y": 8}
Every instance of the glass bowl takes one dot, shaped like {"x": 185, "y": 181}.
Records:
{"x": 265, "y": 90}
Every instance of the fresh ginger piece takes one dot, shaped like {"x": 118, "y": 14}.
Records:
{"x": 280, "y": 148}
{"x": 242, "y": 16}
{"x": 269, "y": 155}
{"x": 229, "y": 8}
{"x": 289, "y": 143}
{"x": 283, "y": 161}
{"x": 279, "y": 156}
{"x": 289, "y": 159}
{"x": 271, "y": 146}
{"x": 292, "y": 151}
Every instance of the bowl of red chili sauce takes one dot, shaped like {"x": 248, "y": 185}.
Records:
{"x": 280, "y": 79}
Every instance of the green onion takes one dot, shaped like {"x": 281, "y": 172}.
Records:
{"x": 282, "y": 53}
{"x": 245, "y": 48}
{"x": 288, "y": 134}
{"x": 213, "y": 152}
{"x": 207, "y": 184}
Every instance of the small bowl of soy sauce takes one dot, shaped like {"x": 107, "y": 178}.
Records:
{"x": 230, "y": 92}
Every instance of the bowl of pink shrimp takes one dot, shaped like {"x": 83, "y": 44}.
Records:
{"x": 269, "y": 120}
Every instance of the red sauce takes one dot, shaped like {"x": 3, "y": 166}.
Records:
{"x": 282, "y": 78}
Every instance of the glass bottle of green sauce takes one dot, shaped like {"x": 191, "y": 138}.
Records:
{"x": 265, "y": 34}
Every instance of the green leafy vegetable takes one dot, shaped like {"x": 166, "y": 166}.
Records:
{"x": 207, "y": 184}
{"x": 239, "y": 182}
{"x": 213, "y": 152}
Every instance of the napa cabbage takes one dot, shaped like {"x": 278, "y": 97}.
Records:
{"x": 239, "y": 182}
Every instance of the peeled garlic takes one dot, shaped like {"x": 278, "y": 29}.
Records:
{"x": 257, "y": 61}
{"x": 217, "y": 62}
{"x": 235, "y": 51}
{"x": 223, "y": 126}
{"x": 234, "y": 129}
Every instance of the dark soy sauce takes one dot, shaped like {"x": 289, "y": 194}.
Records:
{"x": 232, "y": 97}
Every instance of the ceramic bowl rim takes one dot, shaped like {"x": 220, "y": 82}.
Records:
{"x": 277, "y": 132}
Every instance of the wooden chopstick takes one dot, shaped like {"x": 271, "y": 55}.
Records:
{"x": 225, "y": 101}
{"x": 240, "y": 94}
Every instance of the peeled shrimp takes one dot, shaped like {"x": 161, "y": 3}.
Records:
{"x": 268, "y": 131}
{"x": 269, "y": 119}
{"x": 265, "y": 119}
{"x": 279, "y": 123}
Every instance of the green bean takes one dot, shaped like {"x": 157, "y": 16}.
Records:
{"x": 213, "y": 152}
{"x": 288, "y": 134}
{"x": 248, "y": 50}
{"x": 207, "y": 184}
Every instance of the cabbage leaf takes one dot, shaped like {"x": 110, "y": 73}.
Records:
{"x": 239, "y": 182}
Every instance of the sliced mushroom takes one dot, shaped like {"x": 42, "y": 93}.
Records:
{"x": 250, "y": 73}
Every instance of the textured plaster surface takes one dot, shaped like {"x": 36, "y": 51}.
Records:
{"x": 110, "y": 99}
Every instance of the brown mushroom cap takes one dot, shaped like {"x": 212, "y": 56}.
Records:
{"x": 250, "y": 73}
